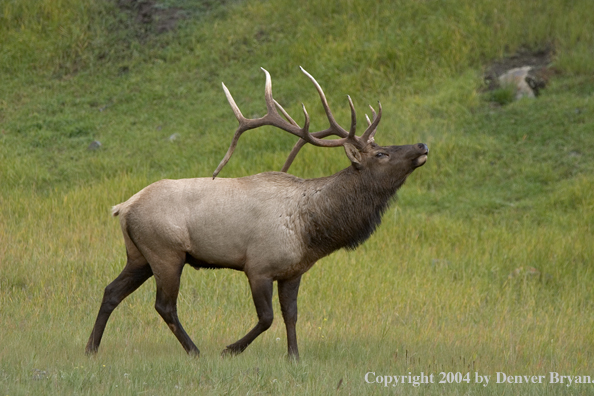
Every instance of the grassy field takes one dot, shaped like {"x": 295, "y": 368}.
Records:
{"x": 484, "y": 264}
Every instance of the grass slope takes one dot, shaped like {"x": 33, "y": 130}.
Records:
{"x": 484, "y": 264}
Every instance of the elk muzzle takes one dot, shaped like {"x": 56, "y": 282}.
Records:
{"x": 423, "y": 151}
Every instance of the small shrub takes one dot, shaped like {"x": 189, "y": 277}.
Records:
{"x": 502, "y": 96}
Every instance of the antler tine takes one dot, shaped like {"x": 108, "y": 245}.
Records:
{"x": 333, "y": 123}
{"x": 241, "y": 129}
{"x": 372, "y": 128}
{"x": 353, "y": 119}
{"x": 308, "y": 138}
{"x": 268, "y": 93}
{"x": 373, "y": 111}
{"x": 285, "y": 114}
{"x": 369, "y": 123}
{"x": 229, "y": 153}
{"x": 233, "y": 105}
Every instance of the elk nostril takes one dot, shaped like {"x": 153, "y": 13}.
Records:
{"x": 423, "y": 147}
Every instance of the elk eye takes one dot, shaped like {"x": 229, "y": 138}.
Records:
{"x": 380, "y": 155}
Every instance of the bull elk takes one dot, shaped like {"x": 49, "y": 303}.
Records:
{"x": 272, "y": 226}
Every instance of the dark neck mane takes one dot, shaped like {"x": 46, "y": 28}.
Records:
{"x": 343, "y": 210}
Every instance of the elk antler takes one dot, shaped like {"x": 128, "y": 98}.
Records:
{"x": 368, "y": 135}
{"x": 316, "y": 138}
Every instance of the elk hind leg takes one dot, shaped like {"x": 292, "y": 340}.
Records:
{"x": 168, "y": 281}
{"x": 134, "y": 274}
{"x": 262, "y": 296}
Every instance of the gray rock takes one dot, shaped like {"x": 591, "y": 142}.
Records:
{"x": 94, "y": 145}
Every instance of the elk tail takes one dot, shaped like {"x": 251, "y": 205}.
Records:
{"x": 115, "y": 210}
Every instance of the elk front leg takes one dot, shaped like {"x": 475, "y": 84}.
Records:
{"x": 262, "y": 296}
{"x": 132, "y": 276}
{"x": 287, "y": 295}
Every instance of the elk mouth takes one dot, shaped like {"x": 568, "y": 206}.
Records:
{"x": 420, "y": 161}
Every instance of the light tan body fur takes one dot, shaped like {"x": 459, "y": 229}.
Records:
{"x": 250, "y": 224}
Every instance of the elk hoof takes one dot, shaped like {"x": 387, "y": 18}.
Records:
{"x": 293, "y": 358}
{"x": 227, "y": 352}
{"x": 195, "y": 353}
{"x": 91, "y": 350}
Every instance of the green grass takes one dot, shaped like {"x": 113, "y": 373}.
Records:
{"x": 483, "y": 264}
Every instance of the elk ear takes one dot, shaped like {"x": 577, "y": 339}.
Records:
{"x": 354, "y": 155}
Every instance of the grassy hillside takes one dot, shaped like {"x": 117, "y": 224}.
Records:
{"x": 483, "y": 265}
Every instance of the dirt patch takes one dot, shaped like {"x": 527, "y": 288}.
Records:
{"x": 152, "y": 16}
{"x": 539, "y": 62}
